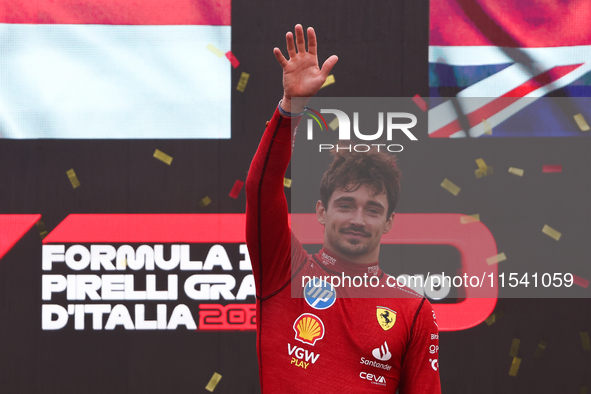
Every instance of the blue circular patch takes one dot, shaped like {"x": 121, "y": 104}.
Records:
{"x": 319, "y": 294}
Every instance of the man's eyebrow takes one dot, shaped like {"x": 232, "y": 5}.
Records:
{"x": 351, "y": 199}
{"x": 375, "y": 204}
{"x": 343, "y": 199}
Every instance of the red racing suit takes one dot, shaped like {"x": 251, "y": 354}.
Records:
{"x": 316, "y": 338}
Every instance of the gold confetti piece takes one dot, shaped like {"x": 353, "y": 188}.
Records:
{"x": 215, "y": 51}
{"x": 496, "y": 259}
{"x": 450, "y": 187}
{"x": 470, "y": 219}
{"x": 162, "y": 156}
{"x": 584, "y": 390}
{"x": 286, "y": 182}
{"x": 243, "y": 80}
{"x": 540, "y": 349}
{"x": 514, "y": 366}
{"x": 334, "y": 124}
{"x": 581, "y": 122}
{"x": 483, "y": 169}
{"x": 549, "y": 231}
{"x": 514, "y": 347}
{"x": 483, "y": 172}
{"x": 516, "y": 171}
{"x": 585, "y": 340}
{"x": 487, "y": 127}
{"x": 205, "y": 201}
{"x": 329, "y": 81}
{"x": 215, "y": 379}
{"x": 494, "y": 318}
{"x": 73, "y": 178}
{"x": 41, "y": 228}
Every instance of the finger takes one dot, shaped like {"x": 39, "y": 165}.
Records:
{"x": 290, "y": 45}
{"x": 312, "y": 44}
{"x": 328, "y": 65}
{"x": 280, "y": 58}
{"x": 300, "y": 42}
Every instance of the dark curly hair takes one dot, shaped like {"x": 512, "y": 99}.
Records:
{"x": 351, "y": 170}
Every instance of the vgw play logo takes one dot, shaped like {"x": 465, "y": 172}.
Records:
{"x": 393, "y": 124}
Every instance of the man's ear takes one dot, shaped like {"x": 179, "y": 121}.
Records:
{"x": 320, "y": 213}
{"x": 389, "y": 223}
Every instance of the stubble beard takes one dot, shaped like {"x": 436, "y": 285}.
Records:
{"x": 348, "y": 248}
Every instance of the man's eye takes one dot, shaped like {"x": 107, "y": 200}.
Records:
{"x": 345, "y": 206}
{"x": 374, "y": 212}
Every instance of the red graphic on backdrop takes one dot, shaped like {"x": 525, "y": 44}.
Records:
{"x": 12, "y": 228}
{"x": 474, "y": 241}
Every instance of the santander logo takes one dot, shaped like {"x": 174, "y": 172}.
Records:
{"x": 382, "y": 353}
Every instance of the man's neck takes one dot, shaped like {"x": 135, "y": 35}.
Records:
{"x": 364, "y": 259}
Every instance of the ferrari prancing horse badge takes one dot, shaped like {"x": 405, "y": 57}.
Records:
{"x": 386, "y": 317}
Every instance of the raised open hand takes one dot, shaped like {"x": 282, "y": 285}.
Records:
{"x": 301, "y": 75}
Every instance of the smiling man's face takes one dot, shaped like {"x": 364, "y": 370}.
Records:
{"x": 354, "y": 223}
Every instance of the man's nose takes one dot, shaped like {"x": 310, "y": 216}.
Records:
{"x": 358, "y": 218}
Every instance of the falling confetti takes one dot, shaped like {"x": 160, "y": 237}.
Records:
{"x": 236, "y": 188}
{"x": 585, "y": 340}
{"x": 540, "y": 349}
{"x": 232, "y": 59}
{"x": 552, "y": 168}
{"x": 514, "y": 366}
{"x": 215, "y": 379}
{"x": 329, "y": 81}
{"x": 514, "y": 347}
{"x": 450, "y": 187}
{"x": 487, "y": 127}
{"x": 483, "y": 169}
{"x": 215, "y": 51}
{"x": 163, "y": 157}
{"x": 577, "y": 280}
{"x": 516, "y": 171}
{"x": 496, "y": 259}
{"x": 243, "y": 81}
{"x": 494, "y": 318}
{"x": 549, "y": 231}
{"x": 581, "y": 122}
{"x": 205, "y": 201}
{"x": 418, "y": 100}
{"x": 73, "y": 178}
{"x": 470, "y": 219}
{"x": 334, "y": 124}
{"x": 41, "y": 228}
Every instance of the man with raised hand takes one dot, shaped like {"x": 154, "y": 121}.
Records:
{"x": 376, "y": 339}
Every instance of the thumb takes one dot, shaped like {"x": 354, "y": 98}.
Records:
{"x": 328, "y": 65}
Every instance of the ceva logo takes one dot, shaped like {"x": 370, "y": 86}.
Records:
{"x": 374, "y": 379}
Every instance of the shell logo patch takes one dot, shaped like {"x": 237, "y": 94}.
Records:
{"x": 308, "y": 328}
{"x": 386, "y": 317}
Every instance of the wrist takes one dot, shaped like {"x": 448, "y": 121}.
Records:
{"x": 286, "y": 108}
{"x": 295, "y": 105}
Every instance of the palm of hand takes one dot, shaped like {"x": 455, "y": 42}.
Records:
{"x": 302, "y": 77}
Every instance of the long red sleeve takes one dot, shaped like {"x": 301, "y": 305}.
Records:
{"x": 267, "y": 229}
